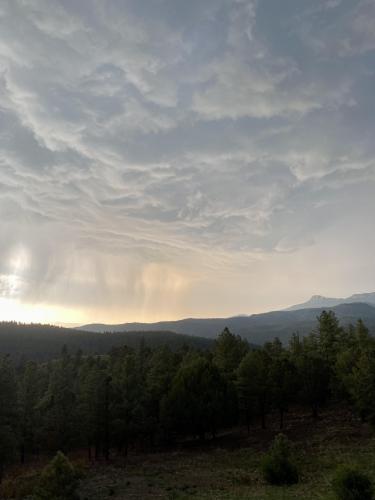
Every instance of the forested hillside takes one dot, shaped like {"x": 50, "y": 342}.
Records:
{"x": 144, "y": 397}
{"x": 43, "y": 342}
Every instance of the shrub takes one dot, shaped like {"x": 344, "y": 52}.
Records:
{"x": 277, "y": 466}
{"x": 351, "y": 484}
{"x": 58, "y": 481}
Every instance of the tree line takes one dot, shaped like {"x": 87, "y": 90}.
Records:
{"x": 147, "y": 397}
{"x": 44, "y": 342}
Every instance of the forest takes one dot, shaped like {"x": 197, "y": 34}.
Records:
{"x": 36, "y": 342}
{"x": 143, "y": 399}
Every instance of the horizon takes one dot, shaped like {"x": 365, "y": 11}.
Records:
{"x": 211, "y": 317}
{"x": 169, "y": 319}
{"x": 184, "y": 159}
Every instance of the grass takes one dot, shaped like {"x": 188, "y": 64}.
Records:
{"x": 223, "y": 474}
{"x": 229, "y": 475}
{"x": 229, "y": 469}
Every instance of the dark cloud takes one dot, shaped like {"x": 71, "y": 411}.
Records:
{"x": 151, "y": 151}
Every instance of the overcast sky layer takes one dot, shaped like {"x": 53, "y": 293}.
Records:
{"x": 170, "y": 158}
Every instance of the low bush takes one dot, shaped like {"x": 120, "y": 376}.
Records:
{"x": 58, "y": 481}
{"x": 350, "y": 483}
{"x": 277, "y": 466}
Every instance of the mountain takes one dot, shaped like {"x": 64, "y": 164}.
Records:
{"x": 44, "y": 342}
{"x": 320, "y": 301}
{"x": 257, "y": 328}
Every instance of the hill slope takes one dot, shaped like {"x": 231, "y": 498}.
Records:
{"x": 43, "y": 342}
{"x": 257, "y": 328}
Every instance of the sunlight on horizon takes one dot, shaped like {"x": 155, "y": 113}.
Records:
{"x": 13, "y": 310}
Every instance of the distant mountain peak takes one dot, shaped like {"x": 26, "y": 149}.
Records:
{"x": 321, "y": 301}
{"x": 315, "y": 297}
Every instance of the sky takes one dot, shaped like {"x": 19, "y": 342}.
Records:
{"x": 162, "y": 159}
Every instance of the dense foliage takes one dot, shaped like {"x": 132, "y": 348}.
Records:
{"x": 143, "y": 397}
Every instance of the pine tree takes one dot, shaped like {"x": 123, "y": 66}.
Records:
{"x": 8, "y": 413}
{"x": 91, "y": 404}
{"x": 254, "y": 383}
{"x": 29, "y": 394}
{"x": 283, "y": 380}
{"x": 329, "y": 334}
{"x": 314, "y": 379}
{"x": 360, "y": 384}
{"x": 59, "y": 404}
{"x": 229, "y": 351}
{"x": 59, "y": 480}
{"x": 197, "y": 401}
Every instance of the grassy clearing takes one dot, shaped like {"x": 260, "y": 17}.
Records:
{"x": 223, "y": 474}
{"x": 228, "y": 472}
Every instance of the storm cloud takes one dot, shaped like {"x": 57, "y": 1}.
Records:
{"x": 170, "y": 158}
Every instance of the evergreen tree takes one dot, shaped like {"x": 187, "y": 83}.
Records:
{"x": 162, "y": 370}
{"x": 128, "y": 408}
{"x": 30, "y": 387}
{"x": 360, "y": 384}
{"x": 91, "y": 407}
{"x": 197, "y": 401}
{"x": 358, "y": 342}
{"x": 8, "y": 413}
{"x": 283, "y": 380}
{"x": 329, "y": 334}
{"x": 59, "y": 404}
{"x": 314, "y": 379}
{"x": 254, "y": 384}
{"x": 59, "y": 480}
{"x": 278, "y": 466}
{"x": 229, "y": 351}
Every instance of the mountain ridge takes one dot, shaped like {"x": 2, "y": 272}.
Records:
{"x": 257, "y": 328}
{"x": 321, "y": 301}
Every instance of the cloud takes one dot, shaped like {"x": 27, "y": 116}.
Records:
{"x": 347, "y": 33}
{"x": 151, "y": 151}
